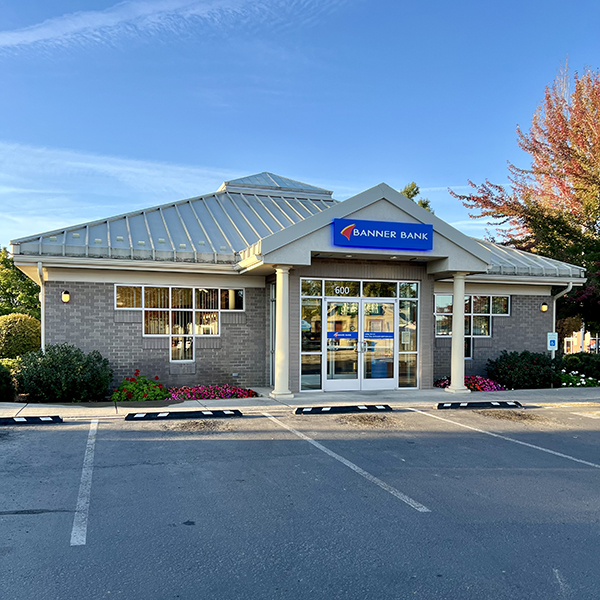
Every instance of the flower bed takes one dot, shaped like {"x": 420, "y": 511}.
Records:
{"x": 140, "y": 389}
{"x": 210, "y": 392}
{"x": 475, "y": 383}
{"x": 576, "y": 379}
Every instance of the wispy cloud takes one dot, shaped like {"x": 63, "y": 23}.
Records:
{"x": 158, "y": 17}
{"x": 43, "y": 188}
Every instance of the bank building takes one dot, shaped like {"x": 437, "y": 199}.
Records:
{"x": 272, "y": 282}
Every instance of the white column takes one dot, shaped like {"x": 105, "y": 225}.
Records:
{"x": 42, "y": 297}
{"x": 457, "y": 368}
{"x": 282, "y": 334}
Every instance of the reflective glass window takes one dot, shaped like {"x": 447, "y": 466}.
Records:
{"x": 206, "y": 323}
{"x": 129, "y": 296}
{"x": 232, "y": 299}
{"x": 207, "y": 299}
{"x": 310, "y": 377}
{"x": 379, "y": 289}
{"x": 156, "y": 297}
{"x": 342, "y": 288}
{"x": 500, "y": 305}
{"x": 156, "y": 322}
{"x": 443, "y": 303}
{"x": 310, "y": 325}
{"x": 408, "y": 290}
{"x": 312, "y": 287}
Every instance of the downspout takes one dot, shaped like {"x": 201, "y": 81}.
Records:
{"x": 554, "y": 299}
{"x": 42, "y": 305}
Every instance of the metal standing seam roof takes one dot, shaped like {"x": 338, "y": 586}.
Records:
{"x": 510, "y": 261}
{"x": 214, "y": 227}
{"x": 210, "y": 228}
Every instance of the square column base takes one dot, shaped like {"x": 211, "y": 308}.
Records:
{"x": 462, "y": 390}
{"x": 281, "y": 395}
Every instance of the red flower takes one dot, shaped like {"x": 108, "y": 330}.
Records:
{"x": 156, "y": 378}
{"x": 133, "y": 380}
{"x": 137, "y": 372}
{"x": 160, "y": 386}
{"x": 145, "y": 395}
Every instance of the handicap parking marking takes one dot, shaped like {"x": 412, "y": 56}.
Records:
{"x": 80, "y": 520}
{"x": 509, "y": 439}
{"x": 384, "y": 486}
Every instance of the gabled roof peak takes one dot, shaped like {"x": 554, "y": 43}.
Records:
{"x": 270, "y": 182}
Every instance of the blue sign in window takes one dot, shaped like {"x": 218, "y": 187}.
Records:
{"x": 382, "y": 234}
{"x": 379, "y": 335}
{"x": 342, "y": 335}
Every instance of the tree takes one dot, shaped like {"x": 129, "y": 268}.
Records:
{"x": 18, "y": 293}
{"x": 553, "y": 207}
{"x": 411, "y": 191}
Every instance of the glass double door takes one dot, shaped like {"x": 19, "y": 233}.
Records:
{"x": 360, "y": 345}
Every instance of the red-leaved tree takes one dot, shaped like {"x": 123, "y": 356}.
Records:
{"x": 553, "y": 207}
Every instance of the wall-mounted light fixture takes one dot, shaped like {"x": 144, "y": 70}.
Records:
{"x": 544, "y": 307}
{"x": 66, "y": 297}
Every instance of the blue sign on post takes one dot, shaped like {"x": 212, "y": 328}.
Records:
{"x": 352, "y": 233}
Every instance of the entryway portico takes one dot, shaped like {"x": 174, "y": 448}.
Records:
{"x": 360, "y": 341}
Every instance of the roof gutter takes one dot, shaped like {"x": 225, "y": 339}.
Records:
{"x": 554, "y": 299}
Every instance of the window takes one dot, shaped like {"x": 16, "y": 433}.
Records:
{"x": 181, "y": 313}
{"x": 478, "y": 316}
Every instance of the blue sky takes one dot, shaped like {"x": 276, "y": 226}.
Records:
{"x": 109, "y": 107}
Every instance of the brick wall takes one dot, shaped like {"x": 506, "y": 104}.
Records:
{"x": 524, "y": 329}
{"x": 90, "y": 322}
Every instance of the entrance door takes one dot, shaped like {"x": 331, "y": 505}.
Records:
{"x": 360, "y": 345}
{"x": 378, "y": 337}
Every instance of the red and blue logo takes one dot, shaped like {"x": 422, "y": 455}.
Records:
{"x": 384, "y": 235}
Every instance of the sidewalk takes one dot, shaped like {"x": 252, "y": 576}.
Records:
{"x": 394, "y": 398}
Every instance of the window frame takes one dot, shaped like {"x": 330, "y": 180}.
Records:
{"x": 170, "y": 310}
{"x": 470, "y": 314}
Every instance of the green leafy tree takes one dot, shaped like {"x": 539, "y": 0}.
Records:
{"x": 412, "y": 191}
{"x": 553, "y": 207}
{"x": 18, "y": 293}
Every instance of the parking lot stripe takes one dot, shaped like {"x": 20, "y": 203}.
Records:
{"x": 80, "y": 521}
{"x": 384, "y": 486}
{"x": 509, "y": 439}
{"x": 588, "y": 415}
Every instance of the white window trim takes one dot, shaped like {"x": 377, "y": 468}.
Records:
{"x": 324, "y": 298}
{"x": 170, "y": 310}
{"x": 471, "y": 315}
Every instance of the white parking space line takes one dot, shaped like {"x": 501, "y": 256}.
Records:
{"x": 588, "y": 415}
{"x": 509, "y": 439}
{"x": 384, "y": 486}
{"x": 80, "y": 521}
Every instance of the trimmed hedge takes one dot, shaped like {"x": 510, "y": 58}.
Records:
{"x": 64, "y": 373}
{"x": 19, "y": 334}
{"x": 524, "y": 370}
{"x": 7, "y": 387}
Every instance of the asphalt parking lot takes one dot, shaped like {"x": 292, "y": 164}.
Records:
{"x": 417, "y": 503}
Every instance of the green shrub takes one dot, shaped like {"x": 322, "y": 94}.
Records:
{"x": 584, "y": 363}
{"x": 139, "y": 389}
{"x": 7, "y": 387}
{"x": 14, "y": 366}
{"x": 64, "y": 373}
{"x": 576, "y": 379}
{"x": 19, "y": 334}
{"x": 524, "y": 370}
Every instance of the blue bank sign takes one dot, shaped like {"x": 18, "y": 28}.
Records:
{"x": 384, "y": 235}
